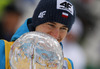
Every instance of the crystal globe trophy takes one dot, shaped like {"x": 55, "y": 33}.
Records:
{"x": 35, "y": 50}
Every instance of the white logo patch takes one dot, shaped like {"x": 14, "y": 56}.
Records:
{"x": 65, "y": 5}
{"x": 41, "y": 15}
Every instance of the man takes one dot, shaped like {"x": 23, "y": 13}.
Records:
{"x": 54, "y": 17}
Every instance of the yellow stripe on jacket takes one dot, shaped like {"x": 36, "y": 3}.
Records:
{"x": 69, "y": 64}
{"x": 7, "y": 50}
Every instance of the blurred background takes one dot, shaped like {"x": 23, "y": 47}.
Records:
{"x": 81, "y": 45}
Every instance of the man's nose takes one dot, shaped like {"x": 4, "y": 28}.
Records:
{"x": 55, "y": 33}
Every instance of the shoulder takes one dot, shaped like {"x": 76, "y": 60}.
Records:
{"x": 4, "y": 42}
{"x": 5, "y": 47}
{"x": 1, "y": 42}
{"x": 68, "y": 64}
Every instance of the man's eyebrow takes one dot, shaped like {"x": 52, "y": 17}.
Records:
{"x": 53, "y": 23}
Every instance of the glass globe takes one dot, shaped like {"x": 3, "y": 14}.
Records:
{"x": 35, "y": 50}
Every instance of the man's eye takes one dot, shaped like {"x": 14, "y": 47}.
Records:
{"x": 63, "y": 28}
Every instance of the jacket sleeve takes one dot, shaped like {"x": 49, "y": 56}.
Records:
{"x": 2, "y": 54}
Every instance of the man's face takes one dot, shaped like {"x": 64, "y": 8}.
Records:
{"x": 56, "y": 30}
